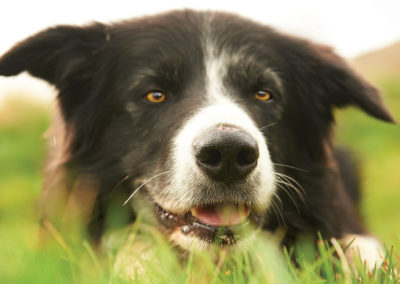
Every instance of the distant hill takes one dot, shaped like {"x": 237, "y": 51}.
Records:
{"x": 382, "y": 63}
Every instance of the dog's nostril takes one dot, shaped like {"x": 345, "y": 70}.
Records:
{"x": 247, "y": 157}
{"x": 209, "y": 156}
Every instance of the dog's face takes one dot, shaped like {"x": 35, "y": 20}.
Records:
{"x": 197, "y": 108}
{"x": 201, "y": 111}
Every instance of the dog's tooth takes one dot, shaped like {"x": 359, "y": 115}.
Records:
{"x": 193, "y": 212}
{"x": 185, "y": 229}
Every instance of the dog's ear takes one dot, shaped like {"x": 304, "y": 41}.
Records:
{"x": 344, "y": 86}
{"x": 55, "y": 53}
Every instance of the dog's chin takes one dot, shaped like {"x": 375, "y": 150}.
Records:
{"x": 211, "y": 225}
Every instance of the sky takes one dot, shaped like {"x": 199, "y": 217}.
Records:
{"x": 352, "y": 27}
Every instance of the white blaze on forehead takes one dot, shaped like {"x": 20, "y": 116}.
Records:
{"x": 220, "y": 108}
{"x": 216, "y": 66}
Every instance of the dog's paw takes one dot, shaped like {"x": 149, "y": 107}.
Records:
{"x": 367, "y": 248}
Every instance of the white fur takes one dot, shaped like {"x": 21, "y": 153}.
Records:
{"x": 369, "y": 249}
{"x": 220, "y": 108}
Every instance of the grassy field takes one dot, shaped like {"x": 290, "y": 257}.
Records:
{"x": 22, "y": 151}
{"x": 377, "y": 145}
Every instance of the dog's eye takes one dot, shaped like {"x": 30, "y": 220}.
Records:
{"x": 155, "y": 97}
{"x": 263, "y": 95}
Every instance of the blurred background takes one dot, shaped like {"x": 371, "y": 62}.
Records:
{"x": 367, "y": 33}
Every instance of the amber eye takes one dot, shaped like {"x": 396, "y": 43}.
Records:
{"x": 263, "y": 95}
{"x": 155, "y": 97}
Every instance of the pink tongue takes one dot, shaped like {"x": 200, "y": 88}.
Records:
{"x": 221, "y": 215}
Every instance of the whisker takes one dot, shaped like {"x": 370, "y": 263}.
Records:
{"x": 286, "y": 183}
{"x": 146, "y": 181}
{"x": 266, "y": 126}
{"x": 277, "y": 208}
{"x": 286, "y": 186}
{"x": 299, "y": 189}
{"x": 291, "y": 167}
{"x": 289, "y": 194}
{"x": 120, "y": 182}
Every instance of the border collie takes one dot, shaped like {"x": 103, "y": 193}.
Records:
{"x": 218, "y": 122}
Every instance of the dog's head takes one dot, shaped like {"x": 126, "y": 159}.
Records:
{"x": 202, "y": 111}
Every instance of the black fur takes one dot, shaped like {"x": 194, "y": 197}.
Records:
{"x": 100, "y": 69}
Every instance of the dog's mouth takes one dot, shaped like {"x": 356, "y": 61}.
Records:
{"x": 221, "y": 215}
{"x": 222, "y": 223}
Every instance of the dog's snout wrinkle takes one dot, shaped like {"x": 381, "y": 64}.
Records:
{"x": 226, "y": 155}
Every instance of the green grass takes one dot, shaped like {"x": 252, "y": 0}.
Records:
{"x": 22, "y": 152}
{"x": 377, "y": 146}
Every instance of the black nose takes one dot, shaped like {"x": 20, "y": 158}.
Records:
{"x": 226, "y": 153}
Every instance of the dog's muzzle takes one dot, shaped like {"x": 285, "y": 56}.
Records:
{"x": 221, "y": 179}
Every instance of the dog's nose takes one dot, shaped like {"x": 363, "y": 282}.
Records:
{"x": 226, "y": 153}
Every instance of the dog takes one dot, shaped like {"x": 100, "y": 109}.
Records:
{"x": 218, "y": 123}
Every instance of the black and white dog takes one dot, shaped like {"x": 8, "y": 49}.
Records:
{"x": 217, "y": 121}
